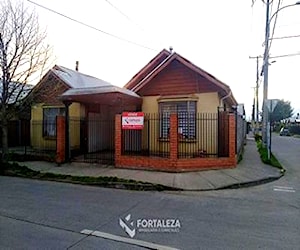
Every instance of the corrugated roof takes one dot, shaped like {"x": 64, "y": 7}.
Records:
{"x": 76, "y": 79}
{"x": 99, "y": 90}
{"x": 82, "y": 84}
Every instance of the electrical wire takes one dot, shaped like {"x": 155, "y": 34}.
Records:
{"x": 123, "y": 14}
{"x": 92, "y": 27}
{"x": 286, "y": 55}
{"x": 285, "y": 37}
{"x": 275, "y": 21}
{"x": 118, "y": 10}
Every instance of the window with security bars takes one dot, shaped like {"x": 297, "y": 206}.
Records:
{"x": 49, "y": 120}
{"x": 186, "y": 111}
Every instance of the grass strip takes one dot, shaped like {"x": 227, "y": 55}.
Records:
{"x": 263, "y": 151}
{"x": 14, "y": 169}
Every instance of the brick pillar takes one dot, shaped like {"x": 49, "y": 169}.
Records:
{"x": 173, "y": 140}
{"x": 232, "y": 138}
{"x": 60, "y": 139}
{"x": 118, "y": 139}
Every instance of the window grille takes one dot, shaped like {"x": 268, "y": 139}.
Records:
{"x": 186, "y": 111}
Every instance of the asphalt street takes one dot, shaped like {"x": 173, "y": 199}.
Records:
{"x": 48, "y": 215}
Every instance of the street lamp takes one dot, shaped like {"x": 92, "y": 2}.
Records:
{"x": 266, "y": 68}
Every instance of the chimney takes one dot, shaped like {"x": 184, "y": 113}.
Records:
{"x": 76, "y": 65}
{"x": 171, "y": 49}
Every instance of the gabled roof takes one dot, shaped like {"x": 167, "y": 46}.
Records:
{"x": 154, "y": 63}
{"x": 79, "y": 86}
{"x": 160, "y": 62}
{"x": 85, "y": 85}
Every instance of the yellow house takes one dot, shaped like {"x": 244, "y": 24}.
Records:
{"x": 88, "y": 104}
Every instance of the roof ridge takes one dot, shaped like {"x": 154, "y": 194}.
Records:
{"x": 75, "y": 71}
{"x": 145, "y": 69}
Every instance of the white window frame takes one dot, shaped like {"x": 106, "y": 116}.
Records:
{"x": 49, "y": 120}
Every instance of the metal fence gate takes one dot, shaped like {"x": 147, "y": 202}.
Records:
{"x": 96, "y": 140}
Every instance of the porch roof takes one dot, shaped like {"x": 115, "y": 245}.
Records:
{"x": 108, "y": 94}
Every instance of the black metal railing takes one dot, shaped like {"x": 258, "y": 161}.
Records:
{"x": 204, "y": 143}
{"x": 198, "y": 136}
{"x": 148, "y": 141}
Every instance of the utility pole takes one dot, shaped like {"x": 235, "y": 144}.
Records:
{"x": 256, "y": 95}
{"x": 256, "y": 98}
{"x": 266, "y": 77}
{"x": 253, "y": 123}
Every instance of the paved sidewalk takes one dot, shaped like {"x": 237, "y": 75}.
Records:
{"x": 249, "y": 171}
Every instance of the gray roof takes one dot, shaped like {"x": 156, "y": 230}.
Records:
{"x": 82, "y": 84}
{"x": 76, "y": 79}
{"x": 99, "y": 90}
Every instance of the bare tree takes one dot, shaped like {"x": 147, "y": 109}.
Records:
{"x": 23, "y": 55}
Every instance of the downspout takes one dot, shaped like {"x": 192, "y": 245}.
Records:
{"x": 222, "y": 106}
{"x": 223, "y": 98}
{"x": 151, "y": 73}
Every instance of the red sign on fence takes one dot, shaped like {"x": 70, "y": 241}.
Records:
{"x": 132, "y": 120}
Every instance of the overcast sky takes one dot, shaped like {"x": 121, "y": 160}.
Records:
{"x": 218, "y": 36}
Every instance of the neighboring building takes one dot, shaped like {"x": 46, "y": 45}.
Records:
{"x": 85, "y": 99}
{"x": 19, "y": 114}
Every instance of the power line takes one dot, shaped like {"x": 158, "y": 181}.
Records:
{"x": 122, "y": 13}
{"x": 284, "y": 37}
{"x": 91, "y": 27}
{"x": 286, "y": 55}
{"x": 275, "y": 21}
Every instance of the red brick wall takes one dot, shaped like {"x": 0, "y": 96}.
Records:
{"x": 173, "y": 164}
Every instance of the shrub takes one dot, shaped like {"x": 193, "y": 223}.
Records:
{"x": 258, "y": 137}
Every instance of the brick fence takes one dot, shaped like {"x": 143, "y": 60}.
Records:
{"x": 173, "y": 163}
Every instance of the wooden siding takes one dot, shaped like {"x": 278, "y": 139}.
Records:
{"x": 49, "y": 90}
{"x": 147, "y": 69}
{"x": 176, "y": 79}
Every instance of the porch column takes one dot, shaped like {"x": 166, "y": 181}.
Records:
{"x": 67, "y": 131}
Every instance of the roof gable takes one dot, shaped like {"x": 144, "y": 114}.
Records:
{"x": 140, "y": 81}
{"x": 146, "y": 70}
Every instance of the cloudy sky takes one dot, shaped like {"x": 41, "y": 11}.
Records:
{"x": 218, "y": 36}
